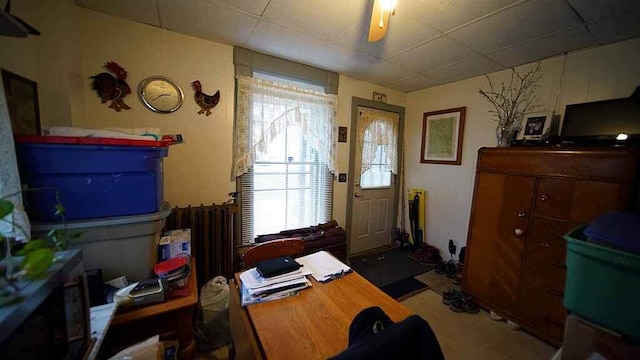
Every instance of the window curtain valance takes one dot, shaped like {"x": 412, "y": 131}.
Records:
{"x": 264, "y": 109}
{"x": 376, "y": 128}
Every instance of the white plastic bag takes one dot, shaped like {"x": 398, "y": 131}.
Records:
{"x": 212, "y": 326}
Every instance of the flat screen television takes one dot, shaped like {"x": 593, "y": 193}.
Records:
{"x": 602, "y": 121}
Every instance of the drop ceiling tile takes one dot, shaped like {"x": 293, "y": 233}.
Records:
{"x": 544, "y": 47}
{"x": 616, "y": 29}
{"x": 433, "y": 54}
{"x": 464, "y": 69}
{"x": 446, "y": 15}
{"x": 255, "y": 7}
{"x": 590, "y": 9}
{"x": 323, "y": 19}
{"x": 517, "y": 24}
{"x": 415, "y": 83}
{"x": 374, "y": 70}
{"x": 403, "y": 33}
{"x": 137, "y": 10}
{"x": 208, "y": 20}
{"x": 279, "y": 41}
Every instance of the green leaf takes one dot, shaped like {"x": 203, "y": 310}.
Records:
{"x": 77, "y": 234}
{"x": 37, "y": 262}
{"x": 6, "y": 208}
{"x": 33, "y": 245}
{"x": 59, "y": 209}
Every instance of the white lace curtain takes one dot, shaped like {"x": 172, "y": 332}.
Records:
{"x": 16, "y": 224}
{"x": 265, "y": 109}
{"x": 378, "y": 128}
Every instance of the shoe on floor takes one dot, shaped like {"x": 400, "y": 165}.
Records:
{"x": 449, "y": 295}
{"x": 463, "y": 303}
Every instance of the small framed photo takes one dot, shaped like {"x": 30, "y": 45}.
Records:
{"x": 379, "y": 97}
{"x": 535, "y": 126}
{"x": 342, "y": 134}
{"x": 22, "y": 101}
{"x": 442, "y": 133}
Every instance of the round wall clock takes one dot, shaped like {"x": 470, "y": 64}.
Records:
{"x": 160, "y": 94}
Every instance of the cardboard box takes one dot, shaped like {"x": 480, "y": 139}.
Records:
{"x": 173, "y": 243}
{"x": 582, "y": 339}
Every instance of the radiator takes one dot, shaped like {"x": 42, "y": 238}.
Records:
{"x": 214, "y": 231}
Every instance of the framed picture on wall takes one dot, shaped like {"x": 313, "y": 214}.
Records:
{"x": 535, "y": 126}
{"x": 442, "y": 133}
{"x": 22, "y": 101}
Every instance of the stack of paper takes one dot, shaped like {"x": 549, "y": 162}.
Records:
{"x": 323, "y": 266}
{"x": 256, "y": 288}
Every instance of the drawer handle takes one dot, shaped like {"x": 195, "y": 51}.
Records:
{"x": 544, "y": 197}
{"x": 519, "y": 232}
{"x": 558, "y": 264}
{"x": 521, "y": 214}
{"x": 555, "y": 292}
{"x": 544, "y": 244}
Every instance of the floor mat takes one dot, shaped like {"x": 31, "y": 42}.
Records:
{"x": 437, "y": 282}
{"x": 404, "y": 288}
{"x": 386, "y": 267}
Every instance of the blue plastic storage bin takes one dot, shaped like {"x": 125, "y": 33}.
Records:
{"x": 91, "y": 181}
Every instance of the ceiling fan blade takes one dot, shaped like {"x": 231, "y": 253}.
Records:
{"x": 376, "y": 32}
{"x": 10, "y": 26}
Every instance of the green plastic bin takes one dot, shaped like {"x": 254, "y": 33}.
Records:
{"x": 603, "y": 284}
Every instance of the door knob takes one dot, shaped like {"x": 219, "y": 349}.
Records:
{"x": 519, "y": 232}
{"x": 544, "y": 197}
{"x": 356, "y": 194}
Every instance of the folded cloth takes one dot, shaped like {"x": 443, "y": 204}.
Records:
{"x": 95, "y": 133}
{"x": 152, "y": 132}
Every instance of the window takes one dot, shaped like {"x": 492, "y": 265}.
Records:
{"x": 377, "y": 144}
{"x": 285, "y": 155}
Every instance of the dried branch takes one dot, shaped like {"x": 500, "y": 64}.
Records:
{"x": 512, "y": 101}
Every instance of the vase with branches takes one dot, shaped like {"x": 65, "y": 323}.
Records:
{"x": 512, "y": 100}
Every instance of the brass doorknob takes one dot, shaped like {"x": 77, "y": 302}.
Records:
{"x": 356, "y": 194}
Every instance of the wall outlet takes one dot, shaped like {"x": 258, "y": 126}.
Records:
{"x": 342, "y": 177}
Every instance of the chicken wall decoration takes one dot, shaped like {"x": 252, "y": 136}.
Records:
{"x": 112, "y": 88}
{"x": 206, "y": 102}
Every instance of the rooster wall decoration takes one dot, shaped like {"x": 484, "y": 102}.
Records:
{"x": 112, "y": 88}
{"x": 206, "y": 102}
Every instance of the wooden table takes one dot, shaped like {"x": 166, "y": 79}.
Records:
{"x": 171, "y": 319}
{"x": 312, "y": 325}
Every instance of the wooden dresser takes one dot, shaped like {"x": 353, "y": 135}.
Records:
{"x": 525, "y": 200}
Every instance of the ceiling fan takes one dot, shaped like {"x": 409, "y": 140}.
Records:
{"x": 382, "y": 10}
{"x": 11, "y": 25}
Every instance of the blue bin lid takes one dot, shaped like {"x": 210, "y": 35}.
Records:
{"x": 616, "y": 229}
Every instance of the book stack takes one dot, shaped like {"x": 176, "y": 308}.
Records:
{"x": 256, "y": 288}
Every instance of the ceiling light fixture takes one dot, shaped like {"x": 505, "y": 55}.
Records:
{"x": 380, "y": 13}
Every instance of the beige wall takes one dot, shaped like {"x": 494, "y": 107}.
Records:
{"x": 347, "y": 89}
{"x": 594, "y": 74}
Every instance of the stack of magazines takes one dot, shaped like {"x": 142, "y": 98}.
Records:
{"x": 257, "y": 288}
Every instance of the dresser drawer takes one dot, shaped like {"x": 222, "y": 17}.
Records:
{"x": 546, "y": 248}
{"x": 553, "y": 198}
{"x": 540, "y": 302}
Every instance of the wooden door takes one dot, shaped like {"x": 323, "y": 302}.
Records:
{"x": 499, "y": 226}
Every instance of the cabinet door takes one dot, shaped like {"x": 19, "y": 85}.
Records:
{"x": 513, "y": 229}
{"x": 553, "y": 199}
{"x": 501, "y": 206}
{"x": 592, "y": 198}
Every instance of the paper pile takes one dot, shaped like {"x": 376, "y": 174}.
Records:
{"x": 256, "y": 288}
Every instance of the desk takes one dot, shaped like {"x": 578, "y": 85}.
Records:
{"x": 314, "y": 324}
{"x": 170, "y": 319}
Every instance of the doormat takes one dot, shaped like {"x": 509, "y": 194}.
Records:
{"x": 437, "y": 282}
{"x": 404, "y": 288}
{"x": 386, "y": 267}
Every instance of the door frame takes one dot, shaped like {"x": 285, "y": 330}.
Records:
{"x": 360, "y": 102}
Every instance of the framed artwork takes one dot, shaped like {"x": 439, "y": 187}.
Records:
{"x": 535, "y": 126}
{"x": 442, "y": 136}
{"x": 380, "y": 97}
{"x": 342, "y": 134}
{"x": 22, "y": 101}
